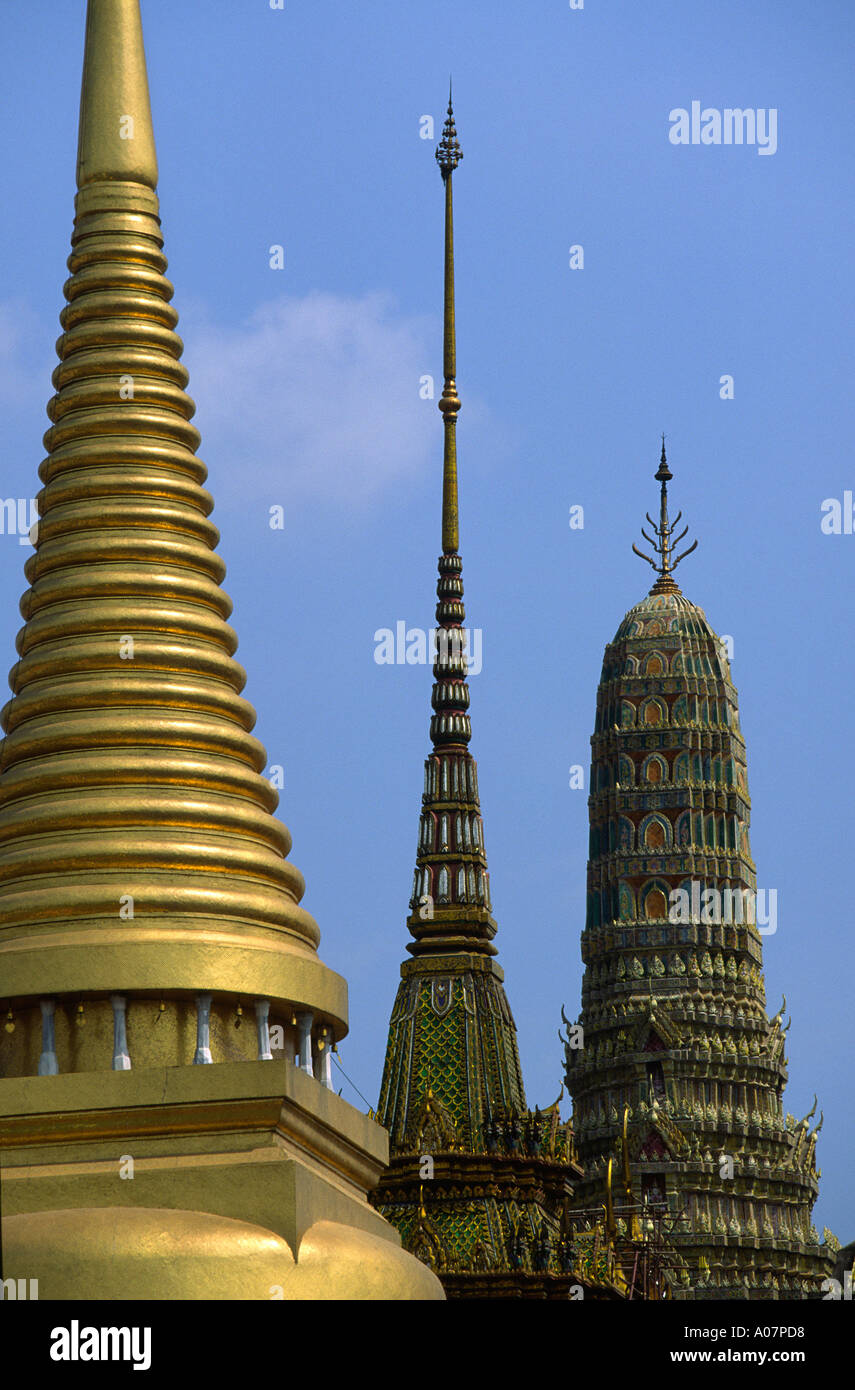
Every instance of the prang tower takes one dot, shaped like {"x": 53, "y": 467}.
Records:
{"x": 167, "y": 1017}
{"x": 477, "y": 1184}
{"x": 677, "y": 1044}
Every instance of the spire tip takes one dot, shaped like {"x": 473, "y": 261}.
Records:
{"x": 664, "y": 474}
{"x": 116, "y": 140}
{"x": 448, "y": 151}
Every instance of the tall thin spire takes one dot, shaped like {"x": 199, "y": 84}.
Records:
{"x": 450, "y": 724}
{"x": 459, "y": 863}
{"x": 664, "y": 542}
{"x": 448, "y": 156}
{"x": 452, "y": 1081}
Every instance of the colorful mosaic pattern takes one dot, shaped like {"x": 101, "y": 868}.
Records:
{"x": 673, "y": 1025}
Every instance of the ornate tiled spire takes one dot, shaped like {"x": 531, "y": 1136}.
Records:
{"x": 451, "y": 890}
{"x": 678, "y": 1051}
{"x": 452, "y": 1095}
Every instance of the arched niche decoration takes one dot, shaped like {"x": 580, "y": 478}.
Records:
{"x": 654, "y": 901}
{"x": 653, "y": 712}
{"x": 654, "y": 835}
{"x": 655, "y": 832}
{"x": 654, "y": 769}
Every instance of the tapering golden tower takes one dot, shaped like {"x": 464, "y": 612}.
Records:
{"x": 167, "y": 1123}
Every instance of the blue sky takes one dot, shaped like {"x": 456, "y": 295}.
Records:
{"x": 301, "y": 127}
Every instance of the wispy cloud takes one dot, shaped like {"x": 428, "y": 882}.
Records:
{"x": 315, "y": 396}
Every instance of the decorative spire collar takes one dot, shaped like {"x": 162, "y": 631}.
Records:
{"x": 448, "y": 151}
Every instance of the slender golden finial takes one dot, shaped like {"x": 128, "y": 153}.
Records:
{"x": 664, "y": 542}
{"x": 116, "y": 140}
{"x": 448, "y": 156}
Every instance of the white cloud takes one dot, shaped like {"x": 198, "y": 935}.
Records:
{"x": 316, "y": 396}
{"x": 312, "y": 397}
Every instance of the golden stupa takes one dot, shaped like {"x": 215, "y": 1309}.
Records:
{"x": 167, "y": 1124}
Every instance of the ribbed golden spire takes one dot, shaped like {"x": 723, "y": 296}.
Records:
{"x": 138, "y": 850}
{"x": 448, "y": 156}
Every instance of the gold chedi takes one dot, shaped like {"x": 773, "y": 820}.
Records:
{"x": 150, "y": 922}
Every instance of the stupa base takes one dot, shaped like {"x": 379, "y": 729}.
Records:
{"x": 242, "y": 1180}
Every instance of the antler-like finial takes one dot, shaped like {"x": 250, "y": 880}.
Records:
{"x": 664, "y": 542}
